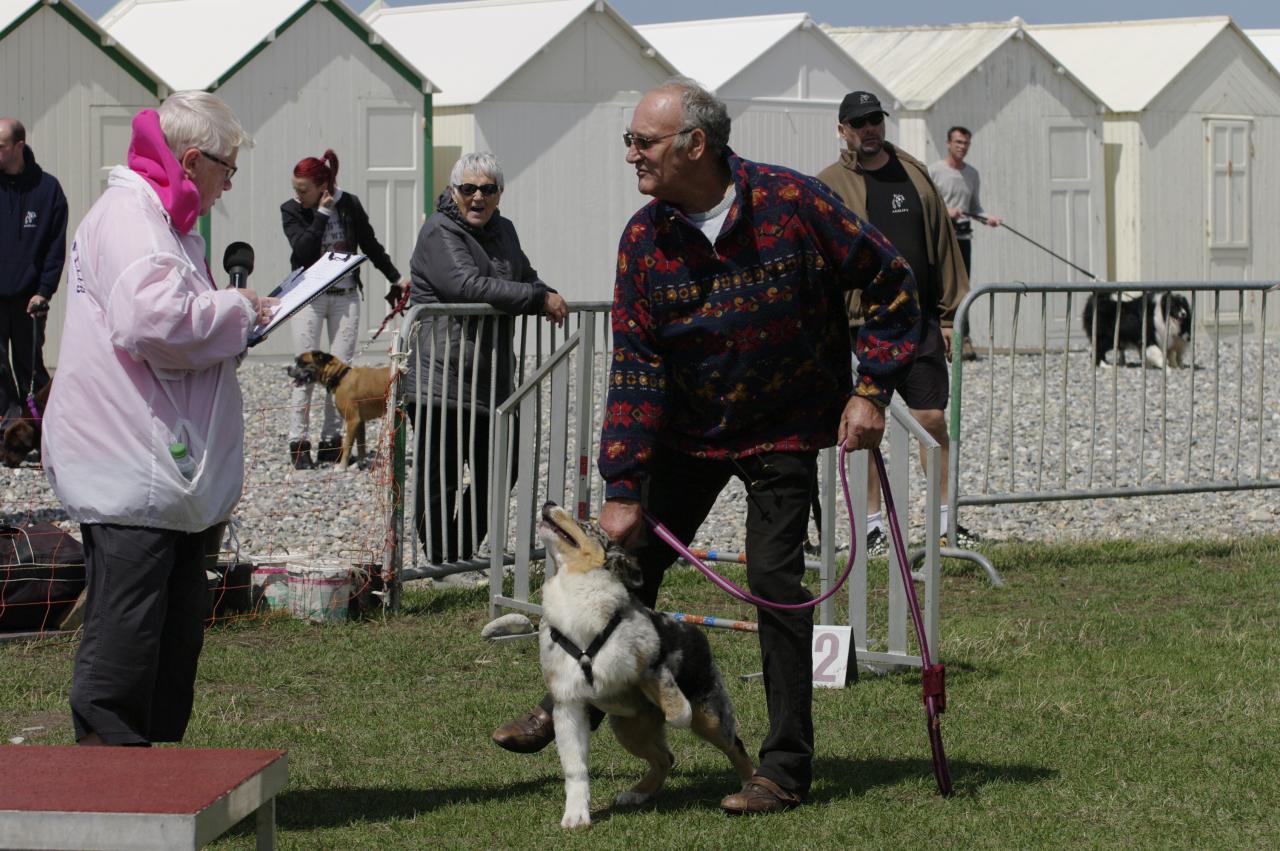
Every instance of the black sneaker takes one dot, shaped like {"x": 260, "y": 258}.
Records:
{"x": 965, "y": 539}
{"x": 877, "y": 542}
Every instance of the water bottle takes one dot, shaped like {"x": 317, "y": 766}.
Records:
{"x": 186, "y": 464}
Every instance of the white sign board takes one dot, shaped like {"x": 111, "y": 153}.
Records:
{"x": 831, "y": 655}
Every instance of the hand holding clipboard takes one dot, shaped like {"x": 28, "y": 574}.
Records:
{"x": 303, "y": 285}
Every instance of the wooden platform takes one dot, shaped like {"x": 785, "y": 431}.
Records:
{"x": 70, "y": 797}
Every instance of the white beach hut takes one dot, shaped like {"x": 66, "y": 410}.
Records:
{"x": 781, "y": 76}
{"x": 549, "y": 87}
{"x": 75, "y": 90}
{"x": 1268, "y": 43}
{"x": 1037, "y": 137}
{"x": 302, "y": 76}
{"x": 1191, "y": 136}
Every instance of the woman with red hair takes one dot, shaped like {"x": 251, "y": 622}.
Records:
{"x": 323, "y": 218}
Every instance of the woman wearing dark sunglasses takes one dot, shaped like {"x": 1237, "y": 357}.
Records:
{"x": 323, "y": 218}
{"x": 467, "y": 252}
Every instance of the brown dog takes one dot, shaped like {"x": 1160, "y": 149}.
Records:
{"x": 21, "y": 430}
{"x": 359, "y": 393}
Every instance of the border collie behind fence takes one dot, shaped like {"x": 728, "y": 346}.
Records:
{"x": 1165, "y": 316}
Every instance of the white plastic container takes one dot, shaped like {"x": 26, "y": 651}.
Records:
{"x": 320, "y": 591}
{"x": 271, "y": 585}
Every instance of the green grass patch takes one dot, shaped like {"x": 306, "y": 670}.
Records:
{"x": 1116, "y": 694}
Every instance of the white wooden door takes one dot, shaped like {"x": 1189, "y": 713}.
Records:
{"x": 1071, "y": 216}
{"x": 1228, "y": 226}
{"x": 110, "y": 127}
{"x": 392, "y": 173}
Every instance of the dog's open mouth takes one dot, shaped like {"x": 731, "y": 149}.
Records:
{"x": 302, "y": 376}
{"x": 549, "y": 523}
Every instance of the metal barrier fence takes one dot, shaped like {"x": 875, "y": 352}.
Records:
{"x": 570, "y": 385}
{"x": 445, "y": 474}
{"x": 1049, "y": 426}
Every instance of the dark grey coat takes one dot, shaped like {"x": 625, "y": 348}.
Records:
{"x": 454, "y": 263}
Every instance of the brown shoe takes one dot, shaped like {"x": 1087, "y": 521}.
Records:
{"x": 529, "y": 733}
{"x": 759, "y": 795}
{"x": 967, "y": 351}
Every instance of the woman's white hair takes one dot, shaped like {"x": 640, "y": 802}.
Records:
{"x": 195, "y": 119}
{"x": 480, "y": 162}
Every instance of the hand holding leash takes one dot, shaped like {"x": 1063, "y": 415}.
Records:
{"x": 861, "y": 425}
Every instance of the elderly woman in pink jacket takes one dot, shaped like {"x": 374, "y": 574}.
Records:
{"x": 143, "y": 435}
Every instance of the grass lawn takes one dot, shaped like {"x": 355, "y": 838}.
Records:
{"x": 1115, "y": 695}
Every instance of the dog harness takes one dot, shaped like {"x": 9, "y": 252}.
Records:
{"x": 332, "y": 383}
{"x": 584, "y": 657}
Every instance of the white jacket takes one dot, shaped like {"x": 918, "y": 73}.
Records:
{"x": 149, "y": 353}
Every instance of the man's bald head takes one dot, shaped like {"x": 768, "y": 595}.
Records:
{"x": 13, "y": 138}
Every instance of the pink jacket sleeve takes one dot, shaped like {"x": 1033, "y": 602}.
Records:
{"x": 165, "y": 312}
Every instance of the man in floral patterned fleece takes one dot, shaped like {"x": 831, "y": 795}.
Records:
{"x": 732, "y": 358}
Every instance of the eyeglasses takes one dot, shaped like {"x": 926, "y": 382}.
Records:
{"x": 875, "y": 120}
{"x": 641, "y": 143}
{"x": 231, "y": 170}
{"x": 469, "y": 189}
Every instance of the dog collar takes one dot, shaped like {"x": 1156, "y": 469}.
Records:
{"x": 585, "y": 657}
{"x": 332, "y": 383}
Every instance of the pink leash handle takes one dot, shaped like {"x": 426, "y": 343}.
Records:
{"x": 932, "y": 677}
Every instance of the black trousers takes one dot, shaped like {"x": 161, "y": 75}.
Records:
{"x": 681, "y": 492}
{"x": 135, "y": 671}
{"x": 439, "y": 485}
{"x": 21, "y": 345}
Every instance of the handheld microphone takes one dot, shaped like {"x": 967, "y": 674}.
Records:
{"x": 237, "y": 261}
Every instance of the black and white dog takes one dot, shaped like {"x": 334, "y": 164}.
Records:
{"x": 1163, "y": 320}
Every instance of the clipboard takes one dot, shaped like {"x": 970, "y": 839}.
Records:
{"x": 302, "y": 286}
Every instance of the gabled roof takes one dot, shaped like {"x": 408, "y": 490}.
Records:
{"x": 1129, "y": 63}
{"x": 472, "y": 48}
{"x": 1268, "y": 44}
{"x": 14, "y": 12}
{"x": 919, "y": 65}
{"x": 738, "y": 43}
{"x": 198, "y": 44}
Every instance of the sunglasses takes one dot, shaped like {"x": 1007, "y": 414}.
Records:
{"x": 469, "y": 189}
{"x": 640, "y": 143}
{"x": 231, "y": 170}
{"x": 875, "y": 120}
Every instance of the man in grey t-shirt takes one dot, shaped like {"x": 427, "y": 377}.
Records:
{"x": 958, "y": 183}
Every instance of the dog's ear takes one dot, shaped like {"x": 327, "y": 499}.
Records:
{"x": 321, "y": 358}
{"x": 624, "y": 566}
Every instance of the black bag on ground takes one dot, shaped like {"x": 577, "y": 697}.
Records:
{"x": 41, "y": 575}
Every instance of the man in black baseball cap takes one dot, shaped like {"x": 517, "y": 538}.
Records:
{"x": 888, "y": 187}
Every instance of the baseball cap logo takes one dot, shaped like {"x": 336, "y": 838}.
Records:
{"x": 866, "y": 98}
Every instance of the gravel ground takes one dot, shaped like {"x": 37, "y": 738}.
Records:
{"x": 339, "y": 513}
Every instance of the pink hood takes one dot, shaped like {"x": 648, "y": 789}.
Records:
{"x": 150, "y": 157}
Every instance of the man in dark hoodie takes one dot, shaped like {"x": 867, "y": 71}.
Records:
{"x": 33, "y": 247}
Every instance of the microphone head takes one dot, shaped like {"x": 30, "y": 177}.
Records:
{"x": 239, "y": 255}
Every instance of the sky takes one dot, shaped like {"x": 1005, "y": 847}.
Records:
{"x": 1247, "y": 13}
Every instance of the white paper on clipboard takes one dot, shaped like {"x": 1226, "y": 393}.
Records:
{"x": 302, "y": 285}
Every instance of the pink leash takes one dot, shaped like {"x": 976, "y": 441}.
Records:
{"x": 933, "y": 679}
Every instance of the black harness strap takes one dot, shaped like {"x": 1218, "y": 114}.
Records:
{"x": 584, "y": 657}
{"x": 333, "y": 383}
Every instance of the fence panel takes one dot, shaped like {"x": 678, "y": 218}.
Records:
{"x": 1053, "y": 426}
